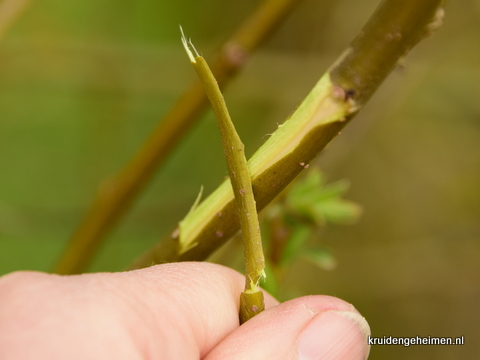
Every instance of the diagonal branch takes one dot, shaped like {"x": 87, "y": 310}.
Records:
{"x": 116, "y": 194}
{"x": 394, "y": 28}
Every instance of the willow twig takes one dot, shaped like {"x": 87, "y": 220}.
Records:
{"x": 116, "y": 194}
{"x": 251, "y": 300}
{"x": 395, "y": 27}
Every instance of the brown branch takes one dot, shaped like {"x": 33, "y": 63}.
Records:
{"x": 115, "y": 195}
{"x": 395, "y": 27}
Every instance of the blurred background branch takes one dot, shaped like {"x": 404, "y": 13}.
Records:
{"x": 116, "y": 194}
{"x": 9, "y": 11}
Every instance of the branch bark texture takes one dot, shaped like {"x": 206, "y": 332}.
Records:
{"x": 394, "y": 28}
{"x": 115, "y": 195}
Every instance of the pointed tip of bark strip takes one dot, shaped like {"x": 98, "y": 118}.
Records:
{"x": 189, "y": 47}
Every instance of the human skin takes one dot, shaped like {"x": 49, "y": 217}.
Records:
{"x": 171, "y": 311}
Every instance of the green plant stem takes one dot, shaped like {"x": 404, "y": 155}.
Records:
{"x": 115, "y": 195}
{"x": 251, "y": 300}
{"x": 333, "y": 102}
{"x": 379, "y": 46}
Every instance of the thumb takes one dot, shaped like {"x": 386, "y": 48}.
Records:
{"x": 311, "y": 327}
{"x": 171, "y": 311}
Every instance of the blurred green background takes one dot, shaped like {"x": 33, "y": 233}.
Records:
{"x": 83, "y": 83}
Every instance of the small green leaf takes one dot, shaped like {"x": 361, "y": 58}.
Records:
{"x": 336, "y": 189}
{"x": 337, "y": 211}
{"x": 313, "y": 188}
{"x": 300, "y": 234}
{"x": 319, "y": 203}
{"x": 321, "y": 257}
{"x": 312, "y": 182}
{"x": 311, "y": 199}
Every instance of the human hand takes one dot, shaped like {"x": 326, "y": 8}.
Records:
{"x": 171, "y": 311}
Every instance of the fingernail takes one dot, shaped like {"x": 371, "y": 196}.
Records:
{"x": 334, "y": 335}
